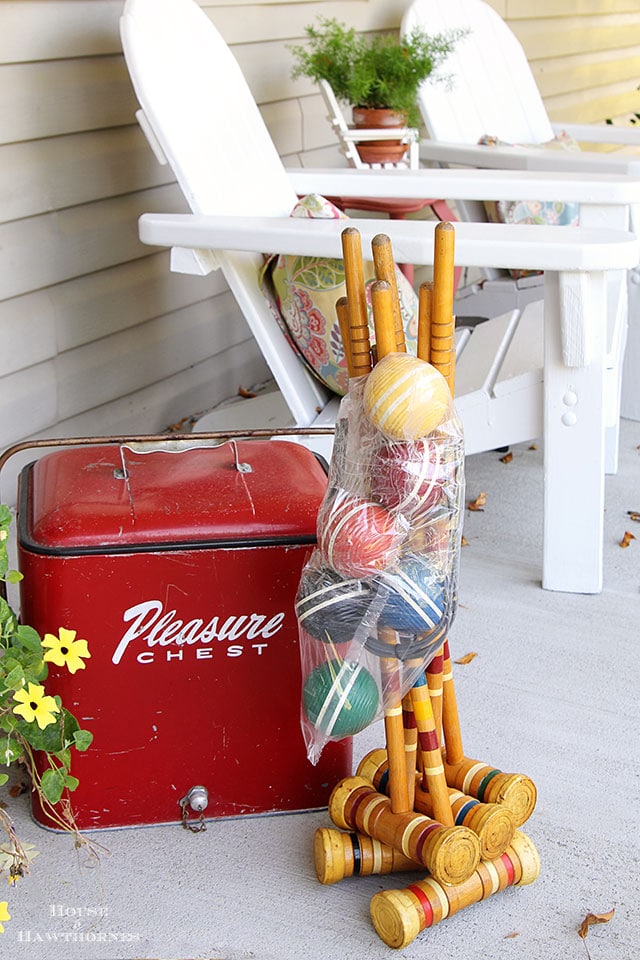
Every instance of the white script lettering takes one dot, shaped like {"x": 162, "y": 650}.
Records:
{"x": 152, "y": 625}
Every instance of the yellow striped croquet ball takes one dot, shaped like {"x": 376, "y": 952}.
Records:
{"x": 405, "y": 397}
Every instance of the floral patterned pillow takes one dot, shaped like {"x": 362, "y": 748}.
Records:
{"x": 549, "y": 213}
{"x": 305, "y": 290}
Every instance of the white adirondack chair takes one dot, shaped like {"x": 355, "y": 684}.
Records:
{"x": 493, "y": 92}
{"x": 241, "y": 200}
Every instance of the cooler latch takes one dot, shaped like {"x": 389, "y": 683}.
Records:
{"x": 197, "y": 800}
{"x": 240, "y": 467}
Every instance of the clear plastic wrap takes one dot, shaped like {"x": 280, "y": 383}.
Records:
{"x": 377, "y": 596}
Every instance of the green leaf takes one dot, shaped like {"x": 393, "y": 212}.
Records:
{"x": 8, "y": 619}
{"x": 53, "y": 783}
{"x": 30, "y": 639}
{"x": 10, "y": 750}
{"x": 71, "y": 782}
{"x": 82, "y": 739}
{"x": 3, "y": 778}
{"x": 14, "y": 680}
{"x": 13, "y": 576}
{"x": 64, "y": 756}
{"x": 35, "y": 668}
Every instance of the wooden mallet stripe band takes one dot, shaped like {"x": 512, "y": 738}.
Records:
{"x": 399, "y": 915}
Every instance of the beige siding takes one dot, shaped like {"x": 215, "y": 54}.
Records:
{"x": 98, "y": 336}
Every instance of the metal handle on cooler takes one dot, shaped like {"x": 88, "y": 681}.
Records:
{"x": 193, "y": 439}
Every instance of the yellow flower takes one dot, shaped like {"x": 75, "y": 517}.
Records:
{"x": 66, "y": 650}
{"x": 34, "y": 705}
{"x": 4, "y": 913}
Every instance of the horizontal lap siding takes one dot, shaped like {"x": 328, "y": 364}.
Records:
{"x": 97, "y": 335}
{"x": 584, "y": 55}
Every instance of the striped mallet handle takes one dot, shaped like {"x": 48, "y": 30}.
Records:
{"x": 434, "y": 682}
{"x": 342, "y": 313}
{"x": 383, "y": 321}
{"x": 357, "y": 302}
{"x": 410, "y": 746}
{"x": 443, "y": 353}
{"x": 428, "y": 743}
{"x": 399, "y": 915}
{"x": 337, "y": 855}
{"x": 494, "y": 824}
{"x": 385, "y": 269}
{"x": 431, "y": 307}
{"x": 451, "y": 733}
{"x": 394, "y": 727}
{"x": 450, "y": 854}
{"x": 425, "y": 310}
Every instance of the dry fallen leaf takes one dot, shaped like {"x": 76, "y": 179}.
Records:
{"x": 467, "y": 658}
{"x": 179, "y": 426}
{"x": 464, "y": 542}
{"x": 246, "y": 394}
{"x": 626, "y": 540}
{"x": 591, "y": 919}
{"x": 511, "y": 936}
{"x": 478, "y": 503}
{"x": 634, "y": 514}
{"x": 508, "y": 457}
{"x": 533, "y": 446}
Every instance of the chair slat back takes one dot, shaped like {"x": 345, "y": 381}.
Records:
{"x": 202, "y": 111}
{"x": 492, "y": 90}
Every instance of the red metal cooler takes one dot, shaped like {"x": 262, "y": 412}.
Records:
{"x": 180, "y": 570}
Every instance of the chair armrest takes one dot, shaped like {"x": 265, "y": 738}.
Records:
{"x": 600, "y": 133}
{"x": 468, "y": 184}
{"x": 477, "y": 244}
{"x": 528, "y": 158}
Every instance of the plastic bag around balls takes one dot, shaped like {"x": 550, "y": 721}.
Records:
{"x": 383, "y": 580}
{"x": 387, "y": 497}
{"x": 363, "y": 643}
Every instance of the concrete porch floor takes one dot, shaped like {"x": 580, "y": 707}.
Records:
{"x": 553, "y": 692}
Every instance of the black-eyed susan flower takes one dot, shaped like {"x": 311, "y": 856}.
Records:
{"x": 65, "y": 650}
{"x": 34, "y": 704}
{"x": 4, "y": 913}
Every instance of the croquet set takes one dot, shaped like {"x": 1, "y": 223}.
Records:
{"x": 375, "y": 603}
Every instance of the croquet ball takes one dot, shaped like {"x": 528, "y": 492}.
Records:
{"x": 358, "y": 537}
{"x": 410, "y": 476}
{"x": 405, "y": 397}
{"x": 340, "y": 698}
{"x": 330, "y": 607}
{"x": 416, "y": 599}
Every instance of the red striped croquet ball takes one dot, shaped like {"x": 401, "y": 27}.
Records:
{"x": 411, "y": 476}
{"x": 359, "y": 537}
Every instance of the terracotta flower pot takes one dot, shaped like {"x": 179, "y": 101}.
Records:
{"x": 379, "y": 151}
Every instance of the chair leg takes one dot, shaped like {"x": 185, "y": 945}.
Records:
{"x": 574, "y": 432}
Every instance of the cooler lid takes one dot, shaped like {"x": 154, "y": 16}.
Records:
{"x": 106, "y": 498}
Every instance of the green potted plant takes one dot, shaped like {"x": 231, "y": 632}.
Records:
{"x": 377, "y": 74}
